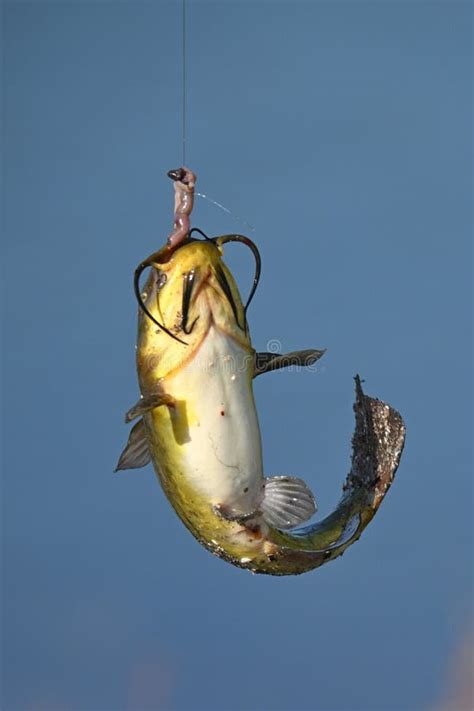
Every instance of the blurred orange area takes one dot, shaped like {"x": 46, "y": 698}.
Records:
{"x": 459, "y": 694}
{"x": 150, "y": 686}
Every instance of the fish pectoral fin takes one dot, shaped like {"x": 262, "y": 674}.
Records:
{"x": 287, "y": 502}
{"x": 266, "y": 362}
{"x": 147, "y": 403}
{"x": 137, "y": 453}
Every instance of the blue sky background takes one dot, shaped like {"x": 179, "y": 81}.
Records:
{"x": 341, "y": 132}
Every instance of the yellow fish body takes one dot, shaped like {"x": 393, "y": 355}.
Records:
{"x": 198, "y": 425}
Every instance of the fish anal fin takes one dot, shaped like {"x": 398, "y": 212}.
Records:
{"x": 137, "y": 452}
{"x": 287, "y": 502}
{"x": 228, "y": 514}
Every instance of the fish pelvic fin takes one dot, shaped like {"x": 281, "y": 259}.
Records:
{"x": 137, "y": 452}
{"x": 287, "y": 502}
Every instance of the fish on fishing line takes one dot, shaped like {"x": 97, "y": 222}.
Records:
{"x": 196, "y": 419}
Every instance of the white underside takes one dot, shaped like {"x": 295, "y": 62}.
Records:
{"x": 222, "y": 457}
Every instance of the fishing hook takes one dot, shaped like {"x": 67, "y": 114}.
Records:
{"x": 136, "y": 287}
{"x": 162, "y": 256}
{"x": 258, "y": 262}
{"x": 203, "y": 234}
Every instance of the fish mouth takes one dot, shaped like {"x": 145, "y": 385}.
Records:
{"x": 223, "y": 291}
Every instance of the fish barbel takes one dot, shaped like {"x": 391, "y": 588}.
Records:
{"x": 197, "y": 422}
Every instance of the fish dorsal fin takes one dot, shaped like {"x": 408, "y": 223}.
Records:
{"x": 287, "y": 502}
{"x": 137, "y": 453}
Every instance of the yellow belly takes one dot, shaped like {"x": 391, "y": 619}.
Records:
{"x": 209, "y": 444}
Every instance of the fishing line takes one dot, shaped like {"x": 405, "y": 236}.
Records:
{"x": 226, "y": 209}
{"x": 184, "y": 111}
{"x": 184, "y": 77}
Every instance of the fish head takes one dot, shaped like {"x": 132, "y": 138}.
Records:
{"x": 189, "y": 294}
